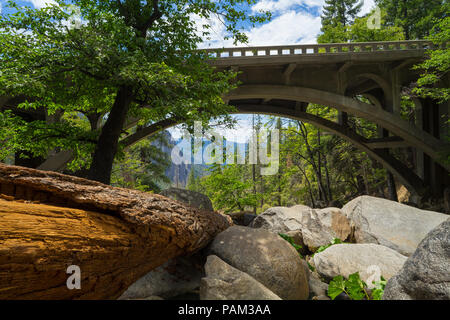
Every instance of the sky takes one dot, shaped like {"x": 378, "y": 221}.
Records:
{"x": 293, "y": 22}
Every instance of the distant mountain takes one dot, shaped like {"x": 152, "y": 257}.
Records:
{"x": 179, "y": 173}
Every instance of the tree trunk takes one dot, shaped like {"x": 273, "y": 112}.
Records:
{"x": 106, "y": 148}
{"x": 392, "y": 190}
{"x": 254, "y": 184}
{"x": 321, "y": 191}
{"x": 115, "y": 236}
{"x": 327, "y": 176}
{"x": 309, "y": 185}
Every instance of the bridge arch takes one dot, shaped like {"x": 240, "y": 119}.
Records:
{"x": 405, "y": 175}
{"x": 391, "y": 122}
{"x": 382, "y": 83}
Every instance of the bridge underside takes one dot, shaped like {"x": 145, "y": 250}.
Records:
{"x": 290, "y": 110}
{"x": 283, "y": 85}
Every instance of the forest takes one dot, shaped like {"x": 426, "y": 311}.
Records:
{"x": 90, "y": 89}
{"x": 320, "y": 169}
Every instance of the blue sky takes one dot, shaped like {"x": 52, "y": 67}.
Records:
{"x": 293, "y": 22}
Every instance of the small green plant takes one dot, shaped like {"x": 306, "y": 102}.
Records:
{"x": 334, "y": 241}
{"x": 291, "y": 241}
{"x": 355, "y": 288}
{"x": 377, "y": 292}
{"x": 297, "y": 247}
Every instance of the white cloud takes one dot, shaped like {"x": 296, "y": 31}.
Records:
{"x": 367, "y": 6}
{"x": 283, "y": 5}
{"x": 240, "y": 133}
{"x": 38, "y": 4}
{"x": 217, "y": 32}
{"x": 289, "y": 28}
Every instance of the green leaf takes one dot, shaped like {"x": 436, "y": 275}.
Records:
{"x": 291, "y": 241}
{"x": 355, "y": 287}
{"x": 336, "y": 287}
{"x": 377, "y": 294}
{"x": 378, "y": 291}
{"x": 334, "y": 241}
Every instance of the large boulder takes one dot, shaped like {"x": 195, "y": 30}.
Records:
{"x": 266, "y": 257}
{"x": 390, "y": 223}
{"x": 370, "y": 260}
{"x": 280, "y": 219}
{"x": 317, "y": 287}
{"x": 320, "y": 226}
{"x": 426, "y": 274}
{"x": 315, "y": 227}
{"x": 176, "y": 277}
{"x": 192, "y": 198}
{"x": 223, "y": 282}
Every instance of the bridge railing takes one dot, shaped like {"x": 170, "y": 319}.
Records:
{"x": 317, "y": 49}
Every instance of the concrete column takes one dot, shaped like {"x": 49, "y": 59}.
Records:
{"x": 434, "y": 175}
{"x": 341, "y": 88}
{"x": 419, "y": 160}
{"x": 343, "y": 118}
{"x": 396, "y": 91}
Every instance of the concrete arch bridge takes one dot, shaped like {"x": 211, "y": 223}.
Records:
{"x": 283, "y": 80}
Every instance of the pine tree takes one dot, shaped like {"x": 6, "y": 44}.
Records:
{"x": 416, "y": 17}
{"x": 191, "y": 181}
{"x": 340, "y": 12}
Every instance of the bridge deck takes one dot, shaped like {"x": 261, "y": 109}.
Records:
{"x": 323, "y": 53}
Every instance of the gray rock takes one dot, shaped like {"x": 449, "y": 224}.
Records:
{"x": 320, "y": 226}
{"x": 307, "y": 270}
{"x": 342, "y": 296}
{"x": 317, "y": 287}
{"x": 322, "y": 297}
{"x": 426, "y": 274}
{"x": 152, "y": 298}
{"x": 242, "y": 218}
{"x": 192, "y": 198}
{"x": 280, "y": 219}
{"x": 248, "y": 218}
{"x": 223, "y": 282}
{"x": 370, "y": 260}
{"x": 391, "y": 224}
{"x": 266, "y": 257}
{"x": 297, "y": 237}
{"x": 313, "y": 227}
{"x": 175, "y": 277}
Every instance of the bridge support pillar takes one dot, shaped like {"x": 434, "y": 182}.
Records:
{"x": 419, "y": 155}
{"x": 396, "y": 92}
{"x": 434, "y": 123}
{"x": 343, "y": 118}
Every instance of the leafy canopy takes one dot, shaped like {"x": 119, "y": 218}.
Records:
{"x": 61, "y": 65}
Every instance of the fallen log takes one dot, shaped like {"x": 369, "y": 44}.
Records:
{"x": 50, "y": 221}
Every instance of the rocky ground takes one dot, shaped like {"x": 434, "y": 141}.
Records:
{"x": 408, "y": 247}
{"x": 136, "y": 245}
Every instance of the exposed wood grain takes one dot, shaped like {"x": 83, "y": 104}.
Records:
{"x": 49, "y": 221}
